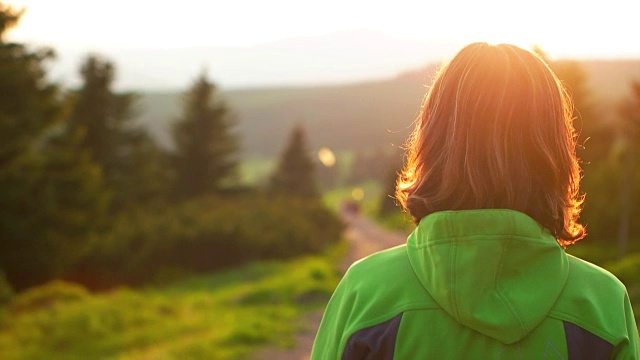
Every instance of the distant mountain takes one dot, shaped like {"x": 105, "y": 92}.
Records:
{"x": 341, "y": 57}
{"x": 361, "y": 115}
{"x": 357, "y": 116}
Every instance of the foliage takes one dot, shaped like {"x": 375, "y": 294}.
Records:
{"x": 630, "y": 153}
{"x": 627, "y": 269}
{"x": 388, "y": 202}
{"x": 206, "y": 234}
{"x": 135, "y": 169}
{"x": 607, "y": 173}
{"x": 205, "y": 147}
{"x": 48, "y": 295}
{"x": 220, "y": 316}
{"x": 6, "y": 290}
{"x": 255, "y": 171}
{"x": 294, "y": 175}
{"x": 397, "y": 220}
{"x": 613, "y": 186}
{"x": 50, "y": 191}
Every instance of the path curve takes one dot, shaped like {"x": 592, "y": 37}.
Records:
{"x": 364, "y": 237}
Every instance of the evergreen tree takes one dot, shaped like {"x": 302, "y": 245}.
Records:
{"x": 50, "y": 192}
{"x": 135, "y": 169}
{"x": 23, "y": 115}
{"x": 630, "y": 175}
{"x": 294, "y": 175}
{"x": 206, "y": 147}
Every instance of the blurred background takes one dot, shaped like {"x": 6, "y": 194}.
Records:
{"x": 174, "y": 176}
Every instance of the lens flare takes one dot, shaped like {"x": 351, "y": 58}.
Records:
{"x": 327, "y": 157}
{"x": 357, "y": 194}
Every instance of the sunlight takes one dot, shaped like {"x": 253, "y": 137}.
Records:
{"x": 327, "y": 157}
{"x": 357, "y": 194}
{"x": 566, "y": 28}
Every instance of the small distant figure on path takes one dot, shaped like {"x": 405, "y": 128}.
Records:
{"x": 492, "y": 182}
{"x": 350, "y": 208}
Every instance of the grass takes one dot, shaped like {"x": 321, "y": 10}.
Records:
{"x": 256, "y": 170}
{"x": 223, "y": 316}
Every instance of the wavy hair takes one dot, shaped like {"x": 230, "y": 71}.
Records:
{"x": 495, "y": 130}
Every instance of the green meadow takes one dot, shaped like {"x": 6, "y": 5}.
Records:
{"x": 225, "y": 315}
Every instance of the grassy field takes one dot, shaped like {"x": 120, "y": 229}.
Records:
{"x": 256, "y": 170}
{"x": 219, "y": 316}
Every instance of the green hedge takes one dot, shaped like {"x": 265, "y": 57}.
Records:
{"x": 204, "y": 235}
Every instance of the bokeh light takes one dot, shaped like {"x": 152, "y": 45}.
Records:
{"x": 357, "y": 194}
{"x": 327, "y": 157}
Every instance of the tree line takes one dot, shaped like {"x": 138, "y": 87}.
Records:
{"x": 84, "y": 189}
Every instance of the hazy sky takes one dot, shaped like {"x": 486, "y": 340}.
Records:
{"x": 563, "y": 28}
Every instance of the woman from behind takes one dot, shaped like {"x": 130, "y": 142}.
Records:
{"x": 492, "y": 180}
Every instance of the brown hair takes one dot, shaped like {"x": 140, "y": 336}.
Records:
{"x": 495, "y": 131}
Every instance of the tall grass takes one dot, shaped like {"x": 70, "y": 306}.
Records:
{"x": 218, "y": 316}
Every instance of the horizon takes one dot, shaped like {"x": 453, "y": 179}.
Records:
{"x": 159, "y": 45}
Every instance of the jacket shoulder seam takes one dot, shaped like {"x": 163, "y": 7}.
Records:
{"x": 382, "y": 318}
{"x": 583, "y": 324}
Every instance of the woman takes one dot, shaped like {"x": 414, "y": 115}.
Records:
{"x": 491, "y": 179}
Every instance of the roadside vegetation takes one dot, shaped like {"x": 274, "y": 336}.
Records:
{"x": 223, "y": 315}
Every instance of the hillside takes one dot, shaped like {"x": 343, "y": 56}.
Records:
{"x": 351, "y": 116}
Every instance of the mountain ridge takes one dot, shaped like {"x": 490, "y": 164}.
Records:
{"x": 361, "y": 116}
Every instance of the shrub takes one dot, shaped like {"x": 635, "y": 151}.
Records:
{"x": 54, "y": 292}
{"x": 6, "y": 291}
{"x": 224, "y": 315}
{"x": 206, "y": 234}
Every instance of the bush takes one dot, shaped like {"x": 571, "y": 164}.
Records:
{"x": 204, "y": 235}
{"x": 48, "y": 295}
{"x": 224, "y": 315}
{"x": 6, "y": 291}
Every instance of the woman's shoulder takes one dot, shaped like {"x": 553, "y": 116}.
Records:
{"x": 386, "y": 275}
{"x": 594, "y": 299}
{"x": 391, "y": 259}
{"x": 584, "y": 273}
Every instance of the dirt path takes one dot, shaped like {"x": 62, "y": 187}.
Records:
{"x": 364, "y": 238}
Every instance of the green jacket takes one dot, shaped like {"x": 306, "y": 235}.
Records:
{"x": 477, "y": 284}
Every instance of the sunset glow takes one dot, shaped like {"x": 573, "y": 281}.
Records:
{"x": 569, "y": 28}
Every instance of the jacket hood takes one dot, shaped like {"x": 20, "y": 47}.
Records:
{"x": 498, "y": 272}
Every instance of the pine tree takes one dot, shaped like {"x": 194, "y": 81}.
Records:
{"x": 50, "y": 192}
{"x": 135, "y": 169}
{"x": 294, "y": 175}
{"x": 630, "y": 175}
{"x": 25, "y": 114}
{"x": 206, "y": 147}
